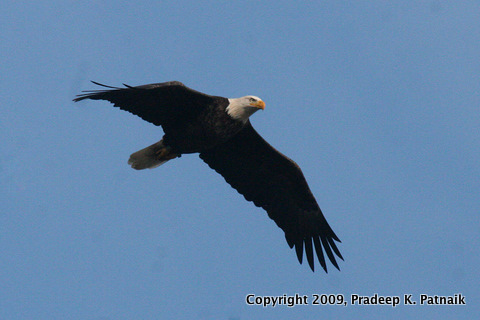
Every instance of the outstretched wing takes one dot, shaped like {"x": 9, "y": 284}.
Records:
{"x": 157, "y": 103}
{"x": 274, "y": 182}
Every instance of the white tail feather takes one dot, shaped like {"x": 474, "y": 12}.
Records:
{"x": 147, "y": 157}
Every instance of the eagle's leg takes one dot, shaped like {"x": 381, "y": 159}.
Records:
{"x": 165, "y": 153}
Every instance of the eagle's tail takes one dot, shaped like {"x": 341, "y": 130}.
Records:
{"x": 151, "y": 157}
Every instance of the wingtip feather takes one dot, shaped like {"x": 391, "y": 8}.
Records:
{"x": 299, "y": 250}
{"x": 309, "y": 253}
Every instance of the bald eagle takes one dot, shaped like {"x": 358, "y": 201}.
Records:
{"x": 220, "y": 131}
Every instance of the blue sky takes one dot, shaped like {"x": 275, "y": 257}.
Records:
{"x": 377, "y": 101}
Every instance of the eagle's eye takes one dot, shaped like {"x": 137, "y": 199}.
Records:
{"x": 252, "y": 99}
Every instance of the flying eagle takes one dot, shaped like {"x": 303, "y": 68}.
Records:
{"x": 219, "y": 129}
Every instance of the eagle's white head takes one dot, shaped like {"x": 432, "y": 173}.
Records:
{"x": 242, "y": 108}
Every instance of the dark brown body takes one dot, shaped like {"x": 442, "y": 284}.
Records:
{"x": 210, "y": 128}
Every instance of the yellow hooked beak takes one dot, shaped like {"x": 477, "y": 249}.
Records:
{"x": 259, "y": 104}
